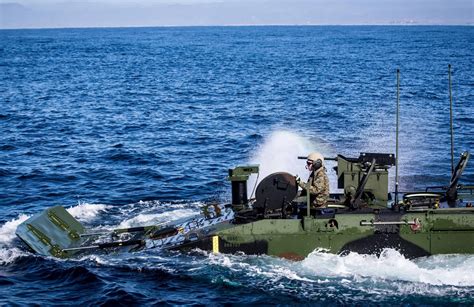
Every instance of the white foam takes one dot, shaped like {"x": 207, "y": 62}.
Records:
{"x": 155, "y": 206}
{"x": 391, "y": 265}
{"x": 258, "y": 266}
{"x": 135, "y": 261}
{"x": 8, "y": 253}
{"x": 144, "y": 219}
{"x": 7, "y": 230}
{"x": 85, "y": 212}
{"x": 280, "y": 151}
{"x": 389, "y": 274}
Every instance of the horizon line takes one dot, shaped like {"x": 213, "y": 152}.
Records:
{"x": 408, "y": 24}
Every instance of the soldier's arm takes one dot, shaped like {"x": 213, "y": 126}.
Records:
{"x": 318, "y": 186}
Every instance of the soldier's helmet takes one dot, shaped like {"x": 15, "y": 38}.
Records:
{"x": 315, "y": 156}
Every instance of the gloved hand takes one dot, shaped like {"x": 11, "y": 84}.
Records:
{"x": 299, "y": 182}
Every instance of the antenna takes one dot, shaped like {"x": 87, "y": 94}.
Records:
{"x": 396, "y": 137}
{"x": 451, "y": 118}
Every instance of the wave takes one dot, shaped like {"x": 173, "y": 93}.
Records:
{"x": 389, "y": 277}
{"x": 8, "y": 252}
{"x": 86, "y": 212}
{"x": 7, "y": 230}
{"x": 391, "y": 265}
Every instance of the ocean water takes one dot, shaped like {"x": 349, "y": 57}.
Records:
{"x": 138, "y": 126}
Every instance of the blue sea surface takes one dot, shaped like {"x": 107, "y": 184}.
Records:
{"x": 137, "y": 126}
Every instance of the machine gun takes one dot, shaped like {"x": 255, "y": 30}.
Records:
{"x": 367, "y": 174}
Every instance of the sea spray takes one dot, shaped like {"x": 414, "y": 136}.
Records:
{"x": 280, "y": 151}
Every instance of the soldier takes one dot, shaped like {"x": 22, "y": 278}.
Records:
{"x": 318, "y": 180}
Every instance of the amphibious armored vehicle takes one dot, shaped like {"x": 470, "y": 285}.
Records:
{"x": 365, "y": 218}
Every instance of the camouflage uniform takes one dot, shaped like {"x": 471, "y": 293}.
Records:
{"x": 319, "y": 187}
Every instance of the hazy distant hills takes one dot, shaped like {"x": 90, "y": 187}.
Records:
{"x": 113, "y": 14}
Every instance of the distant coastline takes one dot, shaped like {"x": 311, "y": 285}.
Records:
{"x": 45, "y": 14}
{"x": 240, "y": 25}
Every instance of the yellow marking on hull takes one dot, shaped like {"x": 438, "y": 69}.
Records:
{"x": 215, "y": 244}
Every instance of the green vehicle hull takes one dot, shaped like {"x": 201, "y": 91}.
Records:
{"x": 363, "y": 219}
{"x": 414, "y": 234}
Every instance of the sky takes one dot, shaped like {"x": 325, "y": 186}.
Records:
{"x": 126, "y": 13}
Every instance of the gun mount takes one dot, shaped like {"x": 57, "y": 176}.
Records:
{"x": 351, "y": 172}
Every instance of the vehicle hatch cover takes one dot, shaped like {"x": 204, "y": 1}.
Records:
{"x": 275, "y": 190}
